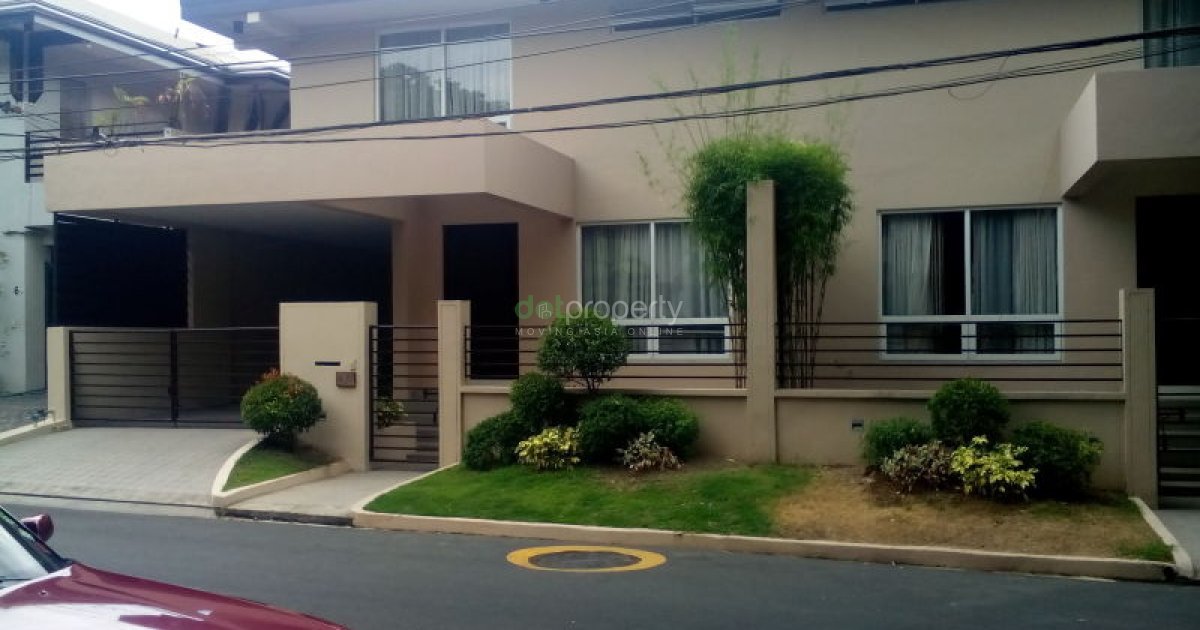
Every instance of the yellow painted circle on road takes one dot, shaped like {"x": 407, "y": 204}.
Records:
{"x": 537, "y": 558}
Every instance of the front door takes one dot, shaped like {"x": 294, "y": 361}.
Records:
{"x": 1166, "y": 243}
{"x": 480, "y": 265}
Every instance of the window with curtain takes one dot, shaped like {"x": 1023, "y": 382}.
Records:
{"x": 651, "y": 278}
{"x": 462, "y": 71}
{"x": 971, "y": 281}
{"x": 1171, "y": 51}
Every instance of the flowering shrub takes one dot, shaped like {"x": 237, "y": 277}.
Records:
{"x": 996, "y": 473}
{"x": 645, "y": 453}
{"x": 281, "y": 406}
{"x": 924, "y": 465}
{"x": 553, "y": 449}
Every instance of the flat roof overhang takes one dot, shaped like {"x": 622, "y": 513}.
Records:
{"x": 369, "y": 163}
{"x": 1130, "y": 124}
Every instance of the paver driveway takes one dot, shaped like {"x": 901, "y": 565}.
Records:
{"x": 175, "y": 466}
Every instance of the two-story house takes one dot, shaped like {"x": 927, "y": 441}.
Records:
{"x": 1013, "y": 175}
{"x": 72, "y": 71}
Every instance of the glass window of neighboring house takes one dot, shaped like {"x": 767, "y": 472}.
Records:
{"x": 1172, "y": 51}
{"x": 650, "y": 277}
{"x": 995, "y": 268}
{"x": 448, "y": 72}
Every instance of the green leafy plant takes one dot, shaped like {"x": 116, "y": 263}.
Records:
{"x": 606, "y": 424}
{"x": 920, "y": 465}
{"x": 281, "y": 406}
{"x": 645, "y": 453}
{"x": 388, "y": 412}
{"x": 555, "y": 448}
{"x": 585, "y": 349}
{"x": 884, "y": 438}
{"x": 539, "y": 399}
{"x": 992, "y": 472}
{"x": 963, "y": 409}
{"x": 1064, "y": 458}
{"x": 493, "y": 442}
{"x": 673, "y": 424}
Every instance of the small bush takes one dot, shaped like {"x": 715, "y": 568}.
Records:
{"x": 281, "y": 406}
{"x": 996, "y": 473}
{"x": 920, "y": 465}
{"x": 966, "y": 408}
{"x": 493, "y": 442}
{"x": 606, "y": 424}
{"x": 674, "y": 425}
{"x": 585, "y": 349}
{"x": 1064, "y": 458}
{"x": 555, "y": 448}
{"x": 539, "y": 400}
{"x": 645, "y": 453}
{"x": 884, "y": 438}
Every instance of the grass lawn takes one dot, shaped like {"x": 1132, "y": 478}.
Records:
{"x": 721, "y": 500}
{"x": 262, "y": 463}
{"x": 789, "y": 502}
{"x": 840, "y": 504}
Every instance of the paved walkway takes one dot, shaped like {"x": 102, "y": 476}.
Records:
{"x": 174, "y": 466}
{"x": 1182, "y": 518}
{"x": 21, "y": 409}
{"x": 325, "y": 501}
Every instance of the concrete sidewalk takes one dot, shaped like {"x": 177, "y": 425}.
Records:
{"x": 164, "y": 466}
{"x": 1182, "y": 518}
{"x": 328, "y": 501}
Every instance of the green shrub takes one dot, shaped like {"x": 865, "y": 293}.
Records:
{"x": 923, "y": 465}
{"x": 281, "y": 406}
{"x": 555, "y": 448}
{"x": 1064, "y": 458}
{"x": 996, "y": 473}
{"x": 584, "y": 349}
{"x": 884, "y": 438}
{"x": 539, "y": 400}
{"x": 645, "y": 453}
{"x": 608, "y": 423}
{"x": 674, "y": 425}
{"x": 493, "y": 442}
{"x": 966, "y": 408}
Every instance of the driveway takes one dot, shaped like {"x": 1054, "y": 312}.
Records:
{"x": 171, "y": 466}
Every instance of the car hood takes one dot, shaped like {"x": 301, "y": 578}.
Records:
{"x": 79, "y": 596}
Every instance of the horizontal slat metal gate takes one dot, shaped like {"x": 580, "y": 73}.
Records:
{"x": 404, "y": 376}
{"x": 166, "y": 377}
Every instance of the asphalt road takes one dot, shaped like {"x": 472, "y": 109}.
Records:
{"x": 370, "y": 579}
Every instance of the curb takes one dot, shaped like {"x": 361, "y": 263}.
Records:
{"x": 33, "y": 430}
{"x": 361, "y": 506}
{"x": 1183, "y": 562}
{"x": 224, "y": 498}
{"x": 1110, "y": 568}
{"x": 284, "y": 517}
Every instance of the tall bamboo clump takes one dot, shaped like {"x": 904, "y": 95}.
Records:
{"x": 812, "y": 205}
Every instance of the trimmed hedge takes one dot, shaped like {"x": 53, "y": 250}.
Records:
{"x": 281, "y": 406}
{"x": 539, "y": 400}
{"x": 493, "y": 442}
{"x": 1064, "y": 458}
{"x": 968, "y": 408}
{"x": 885, "y": 437}
{"x": 612, "y": 422}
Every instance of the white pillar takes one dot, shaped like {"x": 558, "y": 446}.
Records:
{"x": 762, "y": 445}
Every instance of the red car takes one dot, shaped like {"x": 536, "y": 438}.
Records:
{"x": 41, "y": 590}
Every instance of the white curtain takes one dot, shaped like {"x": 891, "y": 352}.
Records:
{"x": 616, "y": 263}
{"x": 680, "y": 275}
{"x": 1014, "y": 262}
{"x": 477, "y": 70}
{"x": 411, "y": 75}
{"x": 912, "y": 264}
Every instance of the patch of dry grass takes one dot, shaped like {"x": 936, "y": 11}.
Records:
{"x": 841, "y": 504}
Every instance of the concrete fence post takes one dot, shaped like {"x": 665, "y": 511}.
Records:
{"x": 58, "y": 373}
{"x": 762, "y": 445}
{"x": 1141, "y": 394}
{"x": 316, "y": 342}
{"x": 453, "y": 318}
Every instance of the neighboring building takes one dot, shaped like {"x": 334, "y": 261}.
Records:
{"x": 988, "y": 216}
{"x": 60, "y": 64}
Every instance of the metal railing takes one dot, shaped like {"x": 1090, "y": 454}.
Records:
{"x": 192, "y": 377}
{"x": 404, "y": 396}
{"x": 661, "y": 356}
{"x": 1031, "y": 355}
{"x": 1178, "y": 405}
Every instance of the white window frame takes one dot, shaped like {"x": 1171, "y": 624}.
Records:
{"x": 651, "y": 354}
{"x": 967, "y": 322}
{"x": 506, "y": 119}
